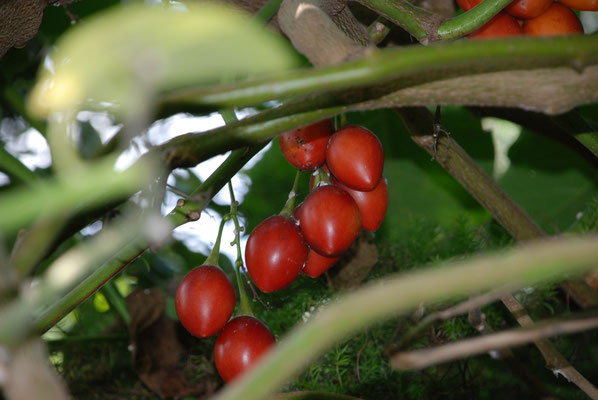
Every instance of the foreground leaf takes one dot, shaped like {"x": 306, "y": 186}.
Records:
{"x": 125, "y": 55}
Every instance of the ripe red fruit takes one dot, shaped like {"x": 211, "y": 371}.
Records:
{"x": 355, "y": 157}
{"x": 305, "y": 148}
{"x": 502, "y": 24}
{"x": 240, "y": 345}
{"x": 275, "y": 253}
{"x": 557, "y": 20}
{"x": 330, "y": 220}
{"x": 205, "y": 300}
{"x": 468, "y": 4}
{"x": 372, "y": 205}
{"x": 526, "y": 9}
{"x": 316, "y": 264}
{"x": 581, "y": 5}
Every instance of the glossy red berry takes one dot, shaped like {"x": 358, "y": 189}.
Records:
{"x": 205, "y": 300}
{"x": 305, "y": 148}
{"x": 316, "y": 264}
{"x": 240, "y": 345}
{"x": 467, "y": 5}
{"x": 526, "y": 9}
{"x": 275, "y": 253}
{"x": 557, "y": 20}
{"x": 502, "y": 24}
{"x": 355, "y": 157}
{"x": 330, "y": 220}
{"x": 372, "y": 205}
{"x": 581, "y": 5}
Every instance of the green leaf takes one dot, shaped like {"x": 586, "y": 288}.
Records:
{"x": 77, "y": 190}
{"x": 127, "y": 54}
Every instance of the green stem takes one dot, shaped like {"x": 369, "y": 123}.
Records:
{"x": 267, "y": 11}
{"x": 116, "y": 300}
{"x": 192, "y": 148}
{"x": 540, "y": 262}
{"x": 15, "y": 169}
{"x": 133, "y": 248}
{"x": 290, "y": 204}
{"x": 458, "y": 58}
{"x": 215, "y": 253}
{"x": 228, "y": 115}
{"x": 244, "y": 305}
{"x": 403, "y": 13}
{"x": 321, "y": 177}
{"x": 379, "y": 29}
{"x": 471, "y": 20}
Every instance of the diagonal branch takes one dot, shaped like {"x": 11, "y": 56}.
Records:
{"x": 420, "y": 124}
{"x": 419, "y": 359}
{"x": 184, "y": 212}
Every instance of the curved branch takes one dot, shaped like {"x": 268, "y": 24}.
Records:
{"x": 471, "y": 20}
{"x": 446, "y": 65}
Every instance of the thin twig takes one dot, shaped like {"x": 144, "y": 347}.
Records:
{"x": 451, "y": 312}
{"x": 465, "y": 348}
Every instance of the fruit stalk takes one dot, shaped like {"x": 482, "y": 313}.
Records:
{"x": 244, "y": 305}
{"x": 289, "y": 206}
{"x": 471, "y": 20}
{"x": 215, "y": 253}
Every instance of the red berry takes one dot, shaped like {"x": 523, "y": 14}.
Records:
{"x": 205, "y": 300}
{"x": 468, "y": 4}
{"x": 316, "y": 264}
{"x": 355, "y": 157}
{"x": 502, "y": 24}
{"x": 557, "y": 20}
{"x": 275, "y": 253}
{"x": 372, "y": 205}
{"x": 581, "y": 5}
{"x": 240, "y": 345}
{"x": 305, "y": 148}
{"x": 526, "y": 9}
{"x": 330, "y": 220}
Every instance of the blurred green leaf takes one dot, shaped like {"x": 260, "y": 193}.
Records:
{"x": 77, "y": 190}
{"x": 127, "y": 54}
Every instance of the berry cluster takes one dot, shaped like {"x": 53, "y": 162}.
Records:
{"x": 204, "y": 302}
{"x": 350, "y": 194}
{"x": 532, "y": 17}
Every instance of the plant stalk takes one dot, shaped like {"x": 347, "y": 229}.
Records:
{"x": 185, "y": 212}
{"x": 244, "y": 305}
{"x": 534, "y": 263}
{"x": 471, "y": 20}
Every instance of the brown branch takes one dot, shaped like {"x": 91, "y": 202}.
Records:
{"x": 459, "y": 309}
{"x": 420, "y": 124}
{"x": 465, "y": 348}
{"x": 323, "y": 34}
